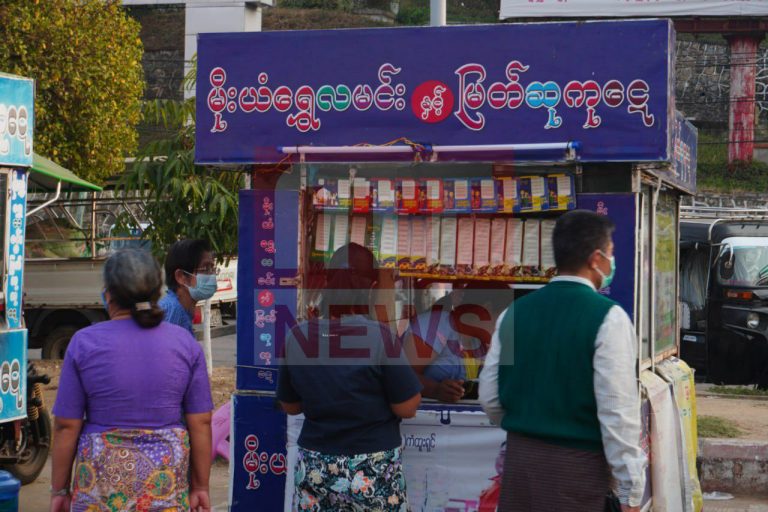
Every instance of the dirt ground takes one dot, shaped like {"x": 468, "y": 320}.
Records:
{"x": 751, "y": 416}
{"x": 222, "y": 382}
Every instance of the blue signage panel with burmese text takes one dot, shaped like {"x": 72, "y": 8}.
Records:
{"x": 603, "y": 84}
{"x": 17, "y": 120}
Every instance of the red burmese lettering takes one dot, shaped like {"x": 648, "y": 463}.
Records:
{"x": 263, "y": 99}
{"x": 251, "y": 461}
{"x": 247, "y": 99}
{"x": 498, "y": 93}
{"x": 386, "y": 71}
{"x": 638, "y": 96}
{"x": 305, "y": 119}
{"x": 513, "y": 68}
{"x": 577, "y": 94}
{"x": 471, "y": 96}
{"x": 282, "y": 99}
{"x": 593, "y": 120}
{"x": 613, "y": 93}
{"x": 217, "y": 77}
{"x": 251, "y": 442}
{"x": 217, "y": 100}
{"x": 362, "y": 97}
{"x": 277, "y": 464}
{"x": 383, "y": 98}
{"x": 515, "y": 91}
{"x": 253, "y": 482}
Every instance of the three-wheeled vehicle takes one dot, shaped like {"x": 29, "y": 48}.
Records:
{"x": 25, "y": 426}
{"x": 724, "y": 294}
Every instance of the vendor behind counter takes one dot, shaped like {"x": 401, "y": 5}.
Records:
{"x": 447, "y": 343}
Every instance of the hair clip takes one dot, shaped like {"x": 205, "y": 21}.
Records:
{"x": 142, "y": 306}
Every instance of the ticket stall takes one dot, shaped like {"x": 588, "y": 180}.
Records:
{"x": 449, "y": 153}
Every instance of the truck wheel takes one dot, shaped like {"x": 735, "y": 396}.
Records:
{"x": 33, "y": 458}
{"x": 55, "y": 344}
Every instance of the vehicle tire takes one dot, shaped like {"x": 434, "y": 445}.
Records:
{"x": 55, "y": 344}
{"x": 34, "y": 457}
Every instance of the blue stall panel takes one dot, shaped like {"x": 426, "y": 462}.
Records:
{"x": 13, "y": 375}
{"x": 620, "y": 208}
{"x": 269, "y": 228}
{"x": 259, "y": 462}
{"x": 14, "y": 251}
{"x": 17, "y": 98}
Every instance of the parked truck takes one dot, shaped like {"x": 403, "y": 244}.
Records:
{"x": 68, "y": 243}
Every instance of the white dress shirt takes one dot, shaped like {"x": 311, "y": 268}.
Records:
{"x": 616, "y": 393}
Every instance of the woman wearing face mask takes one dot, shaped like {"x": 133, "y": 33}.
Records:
{"x": 125, "y": 386}
{"x": 190, "y": 274}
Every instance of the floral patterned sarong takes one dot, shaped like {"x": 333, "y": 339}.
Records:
{"x": 132, "y": 470}
{"x": 357, "y": 483}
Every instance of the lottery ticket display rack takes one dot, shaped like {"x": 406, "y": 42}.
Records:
{"x": 449, "y": 169}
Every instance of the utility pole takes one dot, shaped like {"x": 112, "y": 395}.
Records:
{"x": 437, "y": 13}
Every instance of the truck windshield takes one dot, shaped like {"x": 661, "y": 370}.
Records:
{"x": 749, "y": 257}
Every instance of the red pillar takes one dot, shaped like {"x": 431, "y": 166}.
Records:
{"x": 741, "y": 118}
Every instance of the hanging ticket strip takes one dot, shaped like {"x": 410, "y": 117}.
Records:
{"x": 455, "y": 227}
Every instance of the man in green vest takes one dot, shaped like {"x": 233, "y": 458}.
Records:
{"x": 561, "y": 379}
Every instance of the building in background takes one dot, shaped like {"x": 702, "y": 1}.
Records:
{"x": 712, "y": 80}
{"x": 169, "y": 33}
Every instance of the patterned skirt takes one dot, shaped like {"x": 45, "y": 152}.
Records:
{"x": 356, "y": 483}
{"x": 136, "y": 470}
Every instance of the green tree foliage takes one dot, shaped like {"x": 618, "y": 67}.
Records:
{"x": 340, "y": 5}
{"x": 85, "y": 56}
{"x": 183, "y": 200}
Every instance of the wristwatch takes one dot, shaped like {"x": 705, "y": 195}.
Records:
{"x": 60, "y": 492}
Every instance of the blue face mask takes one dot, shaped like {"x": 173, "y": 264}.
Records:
{"x": 205, "y": 288}
{"x": 104, "y": 301}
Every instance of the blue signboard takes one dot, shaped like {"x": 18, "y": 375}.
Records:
{"x": 604, "y": 84}
{"x": 620, "y": 208}
{"x": 14, "y": 249}
{"x": 259, "y": 459}
{"x": 684, "y": 153}
{"x": 17, "y": 120}
{"x": 266, "y": 275}
{"x": 13, "y": 375}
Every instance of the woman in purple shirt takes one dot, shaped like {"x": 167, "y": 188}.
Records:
{"x": 125, "y": 386}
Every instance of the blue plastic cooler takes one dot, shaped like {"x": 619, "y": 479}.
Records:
{"x": 9, "y": 492}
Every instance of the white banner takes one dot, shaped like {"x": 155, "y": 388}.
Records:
{"x": 452, "y": 461}
{"x": 618, "y": 8}
{"x": 666, "y": 446}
